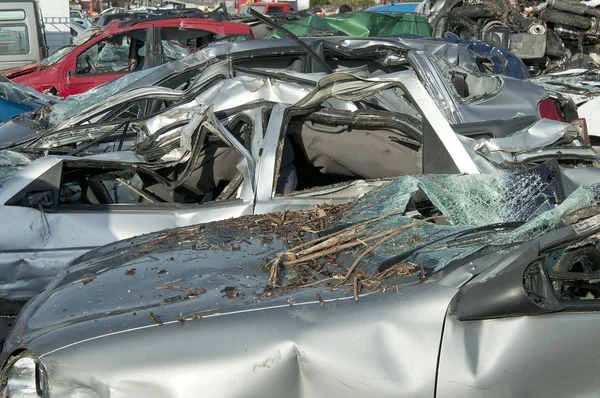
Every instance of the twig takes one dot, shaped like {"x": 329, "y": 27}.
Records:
{"x": 316, "y": 283}
{"x": 336, "y": 249}
{"x": 355, "y": 226}
{"x": 356, "y": 288}
{"x": 197, "y": 313}
{"x": 274, "y": 272}
{"x": 404, "y": 268}
{"x": 385, "y": 239}
{"x": 331, "y": 251}
{"x": 330, "y": 242}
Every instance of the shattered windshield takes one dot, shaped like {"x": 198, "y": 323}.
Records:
{"x": 504, "y": 210}
{"x": 58, "y": 55}
{"x": 75, "y": 104}
{"x": 173, "y": 50}
{"x": 10, "y": 164}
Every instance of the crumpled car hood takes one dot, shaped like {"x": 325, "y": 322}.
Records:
{"x": 22, "y": 70}
{"x": 228, "y": 265}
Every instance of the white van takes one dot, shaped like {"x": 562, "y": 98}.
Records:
{"x": 22, "y": 36}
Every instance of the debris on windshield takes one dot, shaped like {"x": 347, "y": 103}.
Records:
{"x": 377, "y": 226}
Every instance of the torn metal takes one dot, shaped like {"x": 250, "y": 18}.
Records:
{"x": 478, "y": 98}
{"x": 287, "y": 141}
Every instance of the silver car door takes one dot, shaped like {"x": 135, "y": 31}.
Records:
{"x": 26, "y": 229}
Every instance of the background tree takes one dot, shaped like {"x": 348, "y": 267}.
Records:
{"x": 318, "y": 3}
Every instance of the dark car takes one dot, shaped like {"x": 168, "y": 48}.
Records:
{"x": 107, "y": 18}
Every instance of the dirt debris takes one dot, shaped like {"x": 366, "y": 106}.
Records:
{"x": 88, "y": 280}
{"x": 312, "y": 253}
{"x": 155, "y": 318}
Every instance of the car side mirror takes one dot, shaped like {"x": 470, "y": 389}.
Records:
{"x": 43, "y": 191}
{"x": 42, "y": 198}
{"x": 521, "y": 289}
{"x": 69, "y": 72}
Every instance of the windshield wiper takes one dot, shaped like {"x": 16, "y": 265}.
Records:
{"x": 295, "y": 38}
{"x": 387, "y": 263}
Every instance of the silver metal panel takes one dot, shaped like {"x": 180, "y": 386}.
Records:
{"x": 384, "y": 346}
{"x": 553, "y": 355}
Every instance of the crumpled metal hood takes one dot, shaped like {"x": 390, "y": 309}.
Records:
{"x": 227, "y": 265}
{"x": 172, "y": 305}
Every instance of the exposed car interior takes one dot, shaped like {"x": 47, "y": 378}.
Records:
{"x": 178, "y": 42}
{"x": 205, "y": 174}
{"x": 120, "y": 53}
{"x": 333, "y": 146}
{"x": 466, "y": 84}
{"x": 575, "y": 273}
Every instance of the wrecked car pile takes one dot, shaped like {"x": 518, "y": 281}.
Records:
{"x": 282, "y": 178}
{"x": 233, "y": 138}
{"x": 548, "y": 36}
{"x": 462, "y": 94}
{"x": 270, "y": 140}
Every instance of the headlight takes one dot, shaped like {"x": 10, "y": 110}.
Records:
{"x": 24, "y": 377}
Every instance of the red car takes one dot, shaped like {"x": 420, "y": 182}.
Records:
{"x": 121, "y": 48}
{"x": 265, "y": 8}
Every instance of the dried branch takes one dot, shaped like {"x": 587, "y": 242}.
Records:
{"x": 390, "y": 234}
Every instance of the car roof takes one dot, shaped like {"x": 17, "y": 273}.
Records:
{"x": 184, "y": 22}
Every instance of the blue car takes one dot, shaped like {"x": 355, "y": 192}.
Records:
{"x": 394, "y": 8}
{"x": 16, "y": 99}
{"x": 490, "y": 59}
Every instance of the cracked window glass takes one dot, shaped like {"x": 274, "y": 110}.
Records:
{"x": 75, "y": 104}
{"x": 11, "y": 163}
{"x": 120, "y": 53}
{"x": 465, "y": 85}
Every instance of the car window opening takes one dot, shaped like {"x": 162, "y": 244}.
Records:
{"x": 207, "y": 173}
{"x": 119, "y": 53}
{"x": 317, "y": 153}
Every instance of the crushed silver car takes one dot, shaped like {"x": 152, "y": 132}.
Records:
{"x": 463, "y": 96}
{"x": 343, "y": 301}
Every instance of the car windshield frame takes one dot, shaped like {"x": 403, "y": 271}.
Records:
{"x": 259, "y": 9}
{"x": 58, "y": 55}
